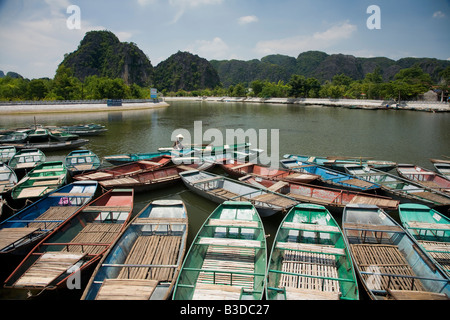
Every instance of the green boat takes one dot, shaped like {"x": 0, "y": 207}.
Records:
{"x": 81, "y": 161}
{"x": 227, "y": 259}
{"x": 26, "y": 159}
{"x": 431, "y": 229}
{"x": 43, "y": 179}
{"x": 310, "y": 259}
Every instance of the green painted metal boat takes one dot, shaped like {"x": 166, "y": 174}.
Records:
{"x": 227, "y": 259}
{"x": 430, "y": 228}
{"x": 81, "y": 161}
{"x": 43, "y": 179}
{"x": 310, "y": 259}
{"x": 26, "y": 159}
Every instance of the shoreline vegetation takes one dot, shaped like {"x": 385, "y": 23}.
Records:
{"x": 429, "y": 106}
{"x": 74, "y": 106}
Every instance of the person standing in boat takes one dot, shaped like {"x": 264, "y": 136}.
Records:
{"x": 178, "y": 145}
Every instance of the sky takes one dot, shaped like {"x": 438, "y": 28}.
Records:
{"x": 36, "y": 34}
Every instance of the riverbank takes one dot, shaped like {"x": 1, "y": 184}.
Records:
{"x": 429, "y": 106}
{"x": 72, "y": 107}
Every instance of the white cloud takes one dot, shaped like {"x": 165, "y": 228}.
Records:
{"x": 439, "y": 14}
{"x": 215, "y": 49}
{"x": 247, "y": 20}
{"x": 317, "y": 41}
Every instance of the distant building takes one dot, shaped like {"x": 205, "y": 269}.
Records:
{"x": 429, "y": 96}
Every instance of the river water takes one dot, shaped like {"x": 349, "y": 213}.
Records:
{"x": 400, "y": 136}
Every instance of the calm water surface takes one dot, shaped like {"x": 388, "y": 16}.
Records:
{"x": 400, "y": 136}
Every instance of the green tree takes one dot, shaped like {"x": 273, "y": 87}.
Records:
{"x": 298, "y": 86}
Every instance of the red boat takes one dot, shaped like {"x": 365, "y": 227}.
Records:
{"x": 125, "y": 169}
{"x": 338, "y": 198}
{"x": 424, "y": 177}
{"x": 240, "y": 169}
{"x": 67, "y": 253}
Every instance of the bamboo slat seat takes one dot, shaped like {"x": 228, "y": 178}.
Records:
{"x": 126, "y": 289}
{"x": 314, "y": 280}
{"x": 9, "y": 236}
{"x": 204, "y": 291}
{"x": 385, "y": 259}
{"x": 47, "y": 268}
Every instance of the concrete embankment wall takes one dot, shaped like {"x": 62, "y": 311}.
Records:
{"x": 75, "y": 106}
{"x": 431, "y": 106}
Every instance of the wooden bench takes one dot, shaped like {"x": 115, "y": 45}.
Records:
{"x": 312, "y": 248}
{"x": 205, "y": 291}
{"x": 126, "y": 289}
{"x": 230, "y": 242}
{"x": 9, "y": 236}
{"x": 429, "y": 226}
{"x": 233, "y": 223}
{"x": 311, "y": 227}
{"x": 308, "y": 294}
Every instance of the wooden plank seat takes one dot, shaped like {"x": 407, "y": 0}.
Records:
{"x": 32, "y": 192}
{"x": 53, "y": 217}
{"x": 106, "y": 209}
{"x": 207, "y": 180}
{"x": 386, "y": 203}
{"x": 372, "y": 227}
{"x": 277, "y": 186}
{"x": 47, "y": 268}
{"x": 126, "y": 289}
{"x": 9, "y": 236}
{"x": 233, "y": 223}
{"x": 429, "y": 226}
{"x": 230, "y": 242}
{"x": 310, "y": 227}
{"x": 119, "y": 181}
{"x": 358, "y": 183}
{"x": 416, "y": 295}
{"x": 374, "y": 259}
{"x": 249, "y": 164}
{"x": 310, "y": 294}
{"x": 305, "y": 198}
{"x": 312, "y": 248}
{"x": 205, "y": 291}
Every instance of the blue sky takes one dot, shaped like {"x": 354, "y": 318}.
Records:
{"x": 34, "y": 35}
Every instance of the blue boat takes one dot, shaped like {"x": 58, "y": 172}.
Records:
{"x": 28, "y": 226}
{"x": 80, "y": 161}
{"x": 133, "y": 157}
{"x": 338, "y": 163}
{"x": 144, "y": 262}
{"x": 329, "y": 176}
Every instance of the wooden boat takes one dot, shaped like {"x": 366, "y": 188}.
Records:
{"x": 431, "y": 229}
{"x": 150, "y": 180}
{"x": 240, "y": 169}
{"x": 73, "y": 248}
{"x": 227, "y": 259}
{"x": 8, "y": 179}
{"x": 424, "y": 177}
{"x": 210, "y": 150}
{"x": 389, "y": 262}
{"x": 6, "y": 153}
{"x": 43, "y": 179}
{"x": 338, "y": 163}
{"x": 219, "y": 189}
{"x": 26, "y": 160}
{"x": 25, "y": 228}
{"x": 13, "y": 137}
{"x": 84, "y": 130}
{"x": 400, "y": 187}
{"x": 310, "y": 259}
{"x": 124, "y": 170}
{"x": 442, "y": 167}
{"x": 145, "y": 261}
{"x": 330, "y": 197}
{"x": 81, "y": 161}
{"x": 329, "y": 176}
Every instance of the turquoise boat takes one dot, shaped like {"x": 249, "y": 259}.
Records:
{"x": 430, "y": 228}
{"x": 81, "y": 161}
{"x": 43, "y": 179}
{"x": 330, "y": 177}
{"x": 6, "y": 153}
{"x": 144, "y": 262}
{"x": 338, "y": 163}
{"x": 310, "y": 259}
{"x": 26, "y": 160}
{"x": 227, "y": 259}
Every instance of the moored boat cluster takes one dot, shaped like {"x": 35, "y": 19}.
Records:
{"x": 336, "y": 226}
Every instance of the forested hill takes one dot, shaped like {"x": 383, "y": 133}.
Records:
{"x": 185, "y": 71}
{"x": 101, "y": 54}
{"x": 320, "y": 65}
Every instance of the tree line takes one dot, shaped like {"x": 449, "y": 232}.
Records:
{"x": 408, "y": 84}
